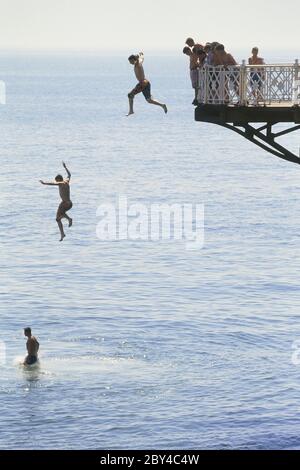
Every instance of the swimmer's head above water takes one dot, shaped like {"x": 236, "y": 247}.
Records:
{"x": 58, "y": 178}
{"x": 27, "y": 332}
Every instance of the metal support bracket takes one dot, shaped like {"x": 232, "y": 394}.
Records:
{"x": 266, "y": 140}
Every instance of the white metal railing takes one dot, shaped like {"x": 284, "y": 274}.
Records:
{"x": 249, "y": 84}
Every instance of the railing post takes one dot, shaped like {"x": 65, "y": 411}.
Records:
{"x": 296, "y": 84}
{"x": 204, "y": 93}
{"x": 200, "y": 86}
{"x": 222, "y": 84}
{"x": 243, "y": 84}
{"x": 205, "y": 85}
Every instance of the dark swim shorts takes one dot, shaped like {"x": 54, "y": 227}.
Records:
{"x": 63, "y": 207}
{"x": 142, "y": 87}
{"x": 147, "y": 91}
{"x": 30, "y": 360}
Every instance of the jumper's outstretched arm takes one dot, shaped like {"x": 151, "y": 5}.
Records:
{"x": 48, "y": 184}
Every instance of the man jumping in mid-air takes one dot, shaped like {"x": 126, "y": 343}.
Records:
{"x": 66, "y": 204}
{"x": 143, "y": 86}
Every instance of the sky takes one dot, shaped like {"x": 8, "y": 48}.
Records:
{"x": 113, "y": 25}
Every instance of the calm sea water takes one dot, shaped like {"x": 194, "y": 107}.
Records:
{"x": 143, "y": 344}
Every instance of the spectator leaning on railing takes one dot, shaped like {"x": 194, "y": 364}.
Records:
{"x": 221, "y": 57}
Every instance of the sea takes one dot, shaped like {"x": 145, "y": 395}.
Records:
{"x": 144, "y": 344}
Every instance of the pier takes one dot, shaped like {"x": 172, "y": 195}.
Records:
{"x": 236, "y": 97}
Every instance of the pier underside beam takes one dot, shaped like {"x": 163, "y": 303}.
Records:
{"x": 266, "y": 141}
{"x": 240, "y": 120}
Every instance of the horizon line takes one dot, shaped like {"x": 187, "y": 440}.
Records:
{"x": 122, "y": 50}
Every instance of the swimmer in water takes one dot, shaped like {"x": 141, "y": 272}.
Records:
{"x": 32, "y": 346}
{"x": 66, "y": 204}
{"x": 143, "y": 85}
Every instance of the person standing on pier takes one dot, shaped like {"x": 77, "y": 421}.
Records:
{"x": 194, "y": 66}
{"x": 257, "y": 75}
{"x": 255, "y": 60}
{"x": 223, "y": 58}
{"x": 143, "y": 85}
{"x": 197, "y": 56}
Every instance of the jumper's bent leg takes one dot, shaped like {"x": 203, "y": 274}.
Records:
{"x": 130, "y": 98}
{"x": 61, "y": 228}
{"x": 157, "y": 103}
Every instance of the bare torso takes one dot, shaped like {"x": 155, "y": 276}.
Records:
{"x": 64, "y": 191}
{"x": 194, "y": 61}
{"x": 223, "y": 58}
{"x": 256, "y": 61}
{"x": 32, "y": 346}
{"x": 139, "y": 71}
{"x": 230, "y": 60}
{"x": 219, "y": 58}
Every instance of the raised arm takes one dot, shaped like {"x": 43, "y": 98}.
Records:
{"x": 68, "y": 172}
{"x": 141, "y": 57}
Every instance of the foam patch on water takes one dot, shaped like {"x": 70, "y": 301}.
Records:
{"x": 72, "y": 367}
{"x": 92, "y": 364}
{"x": 30, "y": 371}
